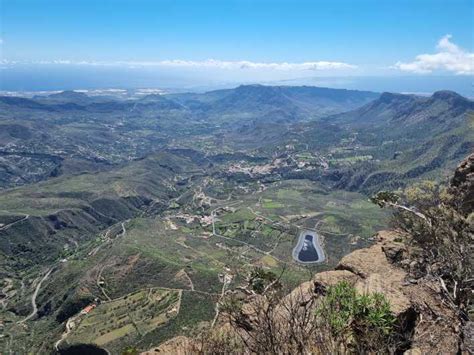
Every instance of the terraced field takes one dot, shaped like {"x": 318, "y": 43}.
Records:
{"x": 129, "y": 317}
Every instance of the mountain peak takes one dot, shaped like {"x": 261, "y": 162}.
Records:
{"x": 255, "y": 97}
{"x": 452, "y": 99}
{"x": 447, "y": 95}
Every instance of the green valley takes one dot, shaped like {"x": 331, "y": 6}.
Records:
{"x": 124, "y": 222}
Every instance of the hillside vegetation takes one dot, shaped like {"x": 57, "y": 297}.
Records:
{"x": 160, "y": 212}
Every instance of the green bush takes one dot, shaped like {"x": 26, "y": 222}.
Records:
{"x": 357, "y": 321}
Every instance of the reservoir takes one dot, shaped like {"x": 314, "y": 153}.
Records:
{"x": 308, "y": 250}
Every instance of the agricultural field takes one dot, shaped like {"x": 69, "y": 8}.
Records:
{"x": 128, "y": 317}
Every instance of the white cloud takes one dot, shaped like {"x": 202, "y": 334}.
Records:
{"x": 448, "y": 57}
{"x": 218, "y": 64}
{"x": 210, "y": 64}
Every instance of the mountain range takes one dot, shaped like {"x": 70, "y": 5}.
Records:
{"x": 124, "y": 221}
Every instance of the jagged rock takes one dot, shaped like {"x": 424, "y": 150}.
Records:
{"x": 462, "y": 185}
{"x": 437, "y": 325}
{"x": 364, "y": 262}
{"x": 250, "y": 310}
{"x": 394, "y": 252}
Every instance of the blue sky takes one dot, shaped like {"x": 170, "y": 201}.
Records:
{"x": 244, "y": 39}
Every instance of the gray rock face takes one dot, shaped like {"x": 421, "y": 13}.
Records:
{"x": 462, "y": 185}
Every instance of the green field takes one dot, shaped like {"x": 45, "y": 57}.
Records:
{"x": 131, "y": 317}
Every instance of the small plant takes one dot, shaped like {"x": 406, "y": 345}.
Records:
{"x": 357, "y": 321}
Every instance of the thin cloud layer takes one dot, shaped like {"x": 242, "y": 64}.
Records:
{"x": 449, "y": 57}
{"x": 209, "y": 64}
{"x": 218, "y": 64}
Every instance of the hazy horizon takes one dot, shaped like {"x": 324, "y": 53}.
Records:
{"x": 16, "y": 83}
{"x": 404, "y": 46}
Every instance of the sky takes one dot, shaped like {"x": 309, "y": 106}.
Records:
{"x": 54, "y": 44}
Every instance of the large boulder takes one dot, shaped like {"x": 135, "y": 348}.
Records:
{"x": 374, "y": 260}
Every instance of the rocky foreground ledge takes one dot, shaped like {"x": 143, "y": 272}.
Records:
{"x": 383, "y": 268}
{"x": 417, "y": 304}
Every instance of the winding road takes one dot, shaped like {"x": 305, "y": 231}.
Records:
{"x": 5, "y": 227}
{"x": 35, "y": 294}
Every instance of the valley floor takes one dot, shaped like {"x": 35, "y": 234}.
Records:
{"x": 201, "y": 246}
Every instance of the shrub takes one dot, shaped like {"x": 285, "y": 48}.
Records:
{"x": 342, "y": 321}
{"x": 362, "y": 322}
{"x": 441, "y": 237}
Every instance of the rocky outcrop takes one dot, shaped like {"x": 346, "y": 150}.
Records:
{"x": 376, "y": 272}
{"x": 428, "y": 323}
{"x": 462, "y": 185}
{"x": 418, "y": 306}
